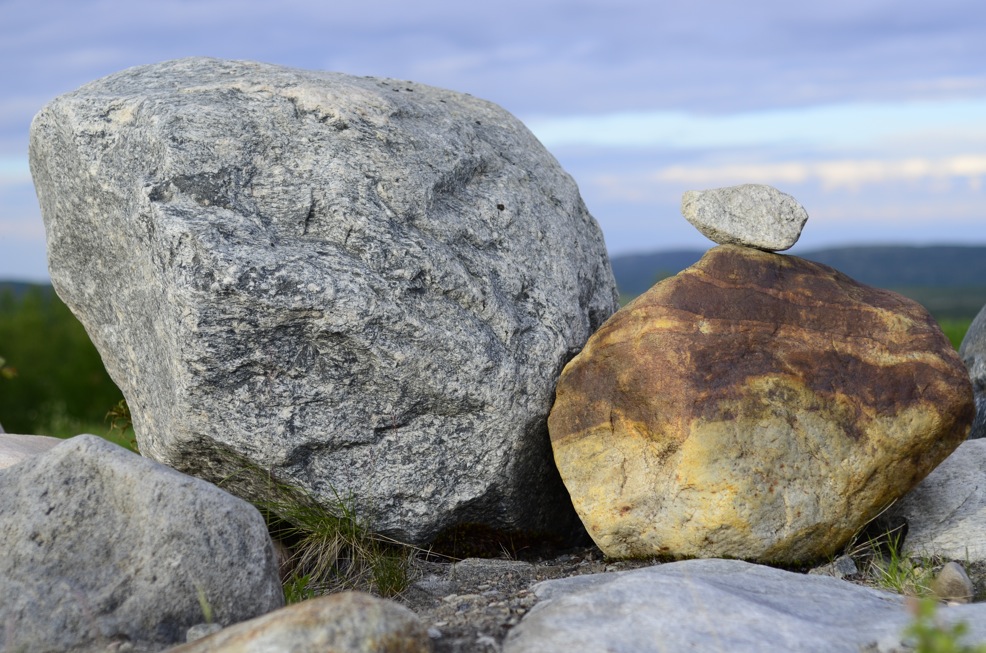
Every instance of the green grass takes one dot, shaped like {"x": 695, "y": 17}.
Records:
{"x": 955, "y": 329}
{"x": 896, "y": 572}
{"x": 333, "y": 548}
{"x": 116, "y": 427}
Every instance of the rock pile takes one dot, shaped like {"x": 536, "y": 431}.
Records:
{"x": 367, "y": 288}
{"x": 465, "y": 607}
{"x": 755, "y": 406}
{"x": 362, "y": 287}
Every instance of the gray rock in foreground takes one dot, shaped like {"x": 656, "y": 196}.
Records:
{"x": 946, "y": 512}
{"x": 717, "y": 605}
{"x": 101, "y": 546}
{"x": 14, "y": 448}
{"x": 360, "y": 286}
{"x": 754, "y": 215}
{"x": 973, "y": 353}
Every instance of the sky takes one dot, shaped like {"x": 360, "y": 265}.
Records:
{"x": 872, "y": 113}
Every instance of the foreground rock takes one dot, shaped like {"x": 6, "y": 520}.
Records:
{"x": 349, "y": 622}
{"x": 953, "y": 584}
{"x": 755, "y": 406}
{"x": 973, "y": 352}
{"x": 101, "y": 547}
{"x": 946, "y": 512}
{"x": 15, "y": 448}
{"x": 754, "y": 215}
{"x": 719, "y": 605}
{"x": 361, "y": 286}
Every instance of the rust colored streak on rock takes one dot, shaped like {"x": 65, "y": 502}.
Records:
{"x": 762, "y": 315}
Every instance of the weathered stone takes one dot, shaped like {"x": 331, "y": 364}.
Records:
{"x": 841, "y": 567}
{"x": 199, "y": 631}
{"x": 973, "y": 353}
{"x": 946, "y": 512}
{"x": 719, "y": 605}
{"x": 102, "y": 546}
{"x": 756, "y": 406}
{"x": 363, "y": 287}
{"x": 752, "y": 214}
{"x": 953, "y": 584}
{"x": 15, "y": 448}
{"x": 349, "y": 622}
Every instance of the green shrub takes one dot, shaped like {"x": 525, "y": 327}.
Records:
{"x": 929, "y": 635}
{"x": 55, "y": 383}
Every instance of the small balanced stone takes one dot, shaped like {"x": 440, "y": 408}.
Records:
{"x": 754, "y": 215}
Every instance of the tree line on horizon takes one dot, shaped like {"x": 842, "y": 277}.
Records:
{"x": 54, "y": 380}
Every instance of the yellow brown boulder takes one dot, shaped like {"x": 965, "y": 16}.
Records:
{"x": 756, "y": 406}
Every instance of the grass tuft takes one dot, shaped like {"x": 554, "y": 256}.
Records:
{"x": 882, "y": 556}
{"x": 332, "y": 548}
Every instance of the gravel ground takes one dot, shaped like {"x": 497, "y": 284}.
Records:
{"x": 469, "y": 606}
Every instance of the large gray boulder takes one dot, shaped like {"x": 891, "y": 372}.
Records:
{"x": 946, "y": 512}
{"x": 973, "y": 353}
{"x": 719, "y": 605}
{"x": 363, "y": 287}
{"x": 101, "y": 546}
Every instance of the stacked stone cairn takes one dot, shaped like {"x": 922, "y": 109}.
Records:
{"x": 369, "y": 287}
{"x": 756, "y": 405}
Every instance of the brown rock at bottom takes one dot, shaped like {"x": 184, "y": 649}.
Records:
{"x": 953, "y": 584}
{"x": 756, "y": 406}
{"x": 348, "y": 622}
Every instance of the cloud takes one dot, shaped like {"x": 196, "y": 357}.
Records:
{"x": 533, "y": 57}
{"x": 831, "y": 175}
{"x": 824, "y": 127}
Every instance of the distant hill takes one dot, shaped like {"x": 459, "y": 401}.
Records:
{"x": 940, "y": 266}
{"x": 18, "y": 288}
{"x": 919, "y": 272}
{"x": 950, "y": 280}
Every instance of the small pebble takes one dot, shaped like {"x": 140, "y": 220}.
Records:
{"x": 198, "y": 631}
{"x": 953, "y": 584}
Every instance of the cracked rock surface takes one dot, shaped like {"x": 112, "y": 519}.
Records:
{"x": 364, "y": 287}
